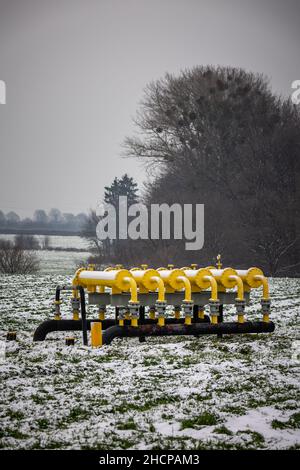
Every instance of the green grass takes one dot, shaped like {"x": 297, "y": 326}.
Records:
{"x": 127, "y": 425}
{"x": 293, "y": 422}
{"x": 205, "y": 419}
{"x": 223, "y": 430}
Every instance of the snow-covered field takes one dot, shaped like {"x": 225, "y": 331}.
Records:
{"x": 238, "y": 392}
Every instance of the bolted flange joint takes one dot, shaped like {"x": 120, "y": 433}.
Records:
{"x": 134, "y": 308}
{"x": 265, "y": 305}
{"x": 187, "y": 308}
{"x": 75, "y": 304}
{"x": 161, "y": 308}
{"x": 214, "y": 307}
{"x": 240, "y": 306}
{"x": 122, "y": 312}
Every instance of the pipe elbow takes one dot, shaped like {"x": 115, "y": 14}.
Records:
{"x": 265, "y": 284}
{"x": 161, "y": 288}
{"x": 240, "y": 286}
{"x": 214, "y": 287}
{"x": 133, "y": 288}
{"x": 187, "y": 288}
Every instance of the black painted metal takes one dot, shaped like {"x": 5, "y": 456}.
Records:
{"x": 221, "y": 318}
{"x": 49, "y": 326}
{"x": 180, "y": 329}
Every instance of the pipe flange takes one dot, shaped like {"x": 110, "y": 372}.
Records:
{"x": 122, "y": 312}
{"x": 265, "y": 305}
{"x": 75, "y": 304}
{"x": 187, "y": 308}
{"x": 161, "y": 308}
{"x": 134, "y": 309}
{"x": 240, "y": 306}
{"x": 214, "y": 306}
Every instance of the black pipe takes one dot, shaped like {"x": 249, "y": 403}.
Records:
{"x": 83, "y": 315}
{"x": 195, "y": 329}
{"x": 82, "y": 308}
{"x": 195, "y": 312}
{"x": 49, "y": 326}
{"x": 221, "y": 318}
{"x": 142, "y": 339}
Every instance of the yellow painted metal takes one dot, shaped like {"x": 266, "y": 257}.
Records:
{"x": 132, "y": 288}
{"x": 161, "y": 321}
{"x": 266, "y": 317}
{"x": 96, "y": 334}
{"x": 75, "y": 315}
{"x": 101, "y": 316}
{"x": 241, "y": 319}
{"x": 152, "y": 315}
{"x": 121, "y": 322}
{"x": 188, "y": 321}
{"x": 219, "y": 264}
{"x": 254, "y": 278}
{"x": 177, "y": 314}
{"x": 214, "y": 319}
{"x": 134, "y": 322}
{"x": 225, "y": 277}
{"x": 119, "y": 280}
{"x": 203, "y": 279}
{"x": 201, "y": 314}
{"x": 150, "y": 280}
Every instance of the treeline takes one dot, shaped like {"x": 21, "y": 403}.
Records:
{"x": 220, "y": 137}
{"x": 52, "y": 222}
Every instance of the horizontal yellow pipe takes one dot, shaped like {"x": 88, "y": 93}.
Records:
{"x": 214, "y": 286}
{"x": 187, "y": 288}
{"x": 264, "y": 281}
{"x": 240, "y": 286}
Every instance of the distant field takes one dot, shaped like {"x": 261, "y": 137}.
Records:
{"x": 168, "y": 393}
{"x": 55, "y": 241}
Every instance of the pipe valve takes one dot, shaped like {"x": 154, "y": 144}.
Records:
{"x": 57, "y": 314}
{"x": 214, "y": 306}
{"x": 265, "y": 307}
{"x": 161, "y": 312}
{"x": 75, "y": 305}
{"x": 240, "y": 309}
{"x": 122, "y": 315}
{"x": 152, "y": 312}
{"x": 187, "y": 308}
{"x": 102, "y": 311}
{"x": 134, "y": 309}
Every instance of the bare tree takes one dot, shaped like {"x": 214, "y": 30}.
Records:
{"x": 15, "y": 260}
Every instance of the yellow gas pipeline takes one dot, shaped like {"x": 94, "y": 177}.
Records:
{"x": 255, "y": 278}
{"x": 203, "y": 279}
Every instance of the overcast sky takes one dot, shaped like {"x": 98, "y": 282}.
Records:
{"x": 75, "y": 71}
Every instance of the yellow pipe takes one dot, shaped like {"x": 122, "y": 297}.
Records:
{"x": 187, "y": 288}
{"x": 240, "y": 286}
{"x": 96, "y": 334}
{"x": 214, "y": 287}
{"x": 134, "y": 322}
{"x": 161, "y": 321}
{"x": 265, "y": 284}
{"x": 161, "y": 288}
{"x": 133, "y": 288}
{"x": 177, "y": 314}
{"x": 201, "y": 313}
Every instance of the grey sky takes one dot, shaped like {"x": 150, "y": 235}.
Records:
{"x": 75, "y": 71}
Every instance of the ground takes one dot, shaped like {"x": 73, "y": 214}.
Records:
{"x": 239, "y": 392}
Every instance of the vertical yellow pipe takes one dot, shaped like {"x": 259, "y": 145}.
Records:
{"x": 96, "y": 334}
